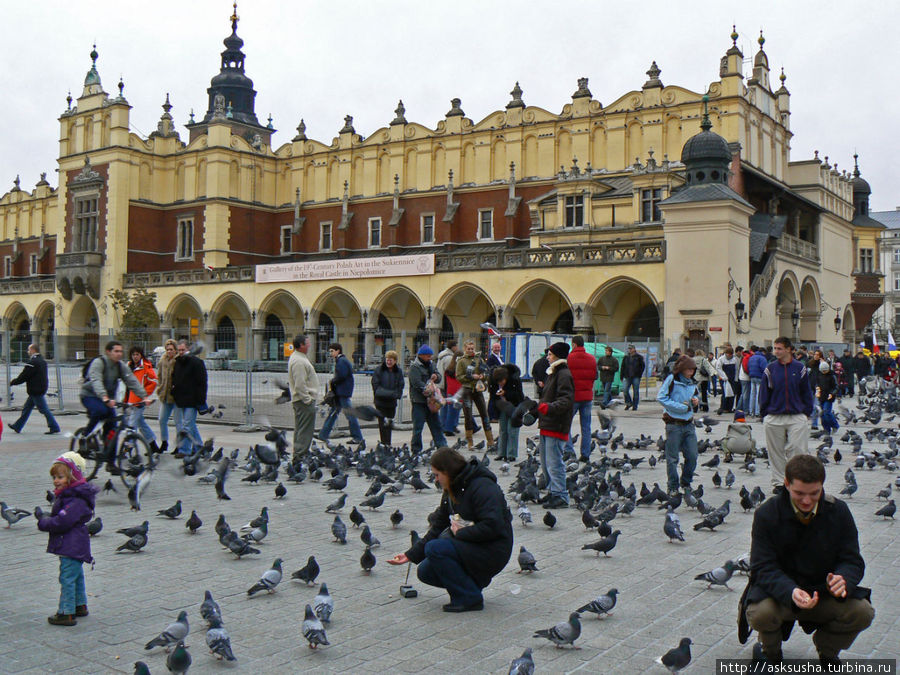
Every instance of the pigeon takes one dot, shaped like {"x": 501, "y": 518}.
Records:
{"x": 729, "y": 478}
{"x": 221, "y": 526}
{"x": 11, "y": 514}
{"x": 131, "y": 531}
{"x": 257, "y": 534}
{"x": 308, "y": 573}
{"x": 719, "y": 576}
{"x": 604, "y": 545}
{"x": 396, "y": 518}
{"x": 222, "y": 470}
{"x": 563, "y": 633}
{"x": 849, "y": 489}
{"x": 209, "y": 608}
{"x": 367, "y": 561}
{"x": 193, "y": 523}
{"x": 218, "y": 641}
{"x": 135, "y": 544}
{"x": 95, "y": 526}
{"x": 549, "y": 520}
{"x": 356, "y": 517}
{"x": 524, "y": 514}
{"x": 141, "y": 668}
{"x": 269, "y": 580}
{"x": 588, "y": 519}
{"x": 323, "y": 604}
{"x": 888, "y": 510}
{"x": 604, "y": 529}
{"x": 313, "y": 630}
{"x": 339, "y": 530}
{"x": 368, "y": 538}
{"x": 175, "y": 632}
{"x": 710, "y": 521}
{"x": 109, "y": 487}
{"x": 672, "y": 529}
{"x": 527, "y": 563}
{"x": 280, "y": 491}
{"x": 602, "y": 604}
{"x": 136, "y": 490}
{"x": 338, "y": 483}
{"x": 524, "y": 665}
{"x": 179, "y": 660}
{"x": 713, "y": 463}
{"x": 337, "y": 504}
{"x": 717, "y": 480}
{"x": 678, "y": 658}
{"x": 240, "y": 547}
{"x": 374, "y": 502}
{"x": 263, "y": 517}
{"x": 172, "y": 512}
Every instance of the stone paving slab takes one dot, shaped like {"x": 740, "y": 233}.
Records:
{"x": 133, "y": 597}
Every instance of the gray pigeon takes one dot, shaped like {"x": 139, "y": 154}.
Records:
{"x": 209, "y": 609}
{"x": 718, "y": 576}
{"x": 602, "y": 604}
{"x": 888, "y": 510}
{"x": 678, "y": 658}
{"x": 135, "y": 544}
{"x": 269, "y": 580}
{"x": 218, "y": 641}
{"x": 174, "y": 633}
{"x": 11, "y": 514}
{"x": 172, "y": 512}
{"x": 339, "y": 530}
{"x": 308, "y": 573}
{"x": 257, "y": 534}
{"x": 524, "y": 665}
{"x": 672, "y": 529}
{"x": 337, "y": 504}
{"x": 179, "y": 660}
{"x": 323, "y": 604}
{"x": 604, "y": 545}
{"x": 193, "y": 523}
{"x": 527, "y": 563}
{"x": 313, "y": 630}
{"x": 95, "y": 526}
{"x": 368, "y": 538}
{"x": 563, "y": 633}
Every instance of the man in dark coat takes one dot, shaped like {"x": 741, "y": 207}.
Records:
{"x": 34, "y": 375}
{"x": 805, "y": 566}
{"x": 630, "y": 373}
{"x": 342, "y": 386}
{"x": 539, "y": 373}
{"x": 556, "y": 409}
{"x": 423, "y": 373}
{"x": 189, "y": 392}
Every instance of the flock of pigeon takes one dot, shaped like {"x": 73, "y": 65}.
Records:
{"x": 601, "y": 490}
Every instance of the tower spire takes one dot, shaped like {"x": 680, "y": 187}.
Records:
{"x": 234, "y": 18}
{"x": 705, "y": 124}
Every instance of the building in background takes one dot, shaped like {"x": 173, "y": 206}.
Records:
{"x": 888, "y": 315}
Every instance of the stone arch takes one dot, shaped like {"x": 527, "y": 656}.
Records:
{"x": 787, "y": 299}
{"x": 809, "y": 309}
{"x": 84, "y": 330}
{"x": 397, "y": 311}
{"x": 18, "y": 326}
{"x": 282, "y": 307}
{"x": 345, "y": 316}
{"x": 185, "y": 316}
{"x": 44, "y": 327}
{"x": 539, "y": 305}
{"x": 465, "y": 306}
{"x": 624, "y": 307}
{"x": 234, "y": 307}
{"x": 849, "y": 327}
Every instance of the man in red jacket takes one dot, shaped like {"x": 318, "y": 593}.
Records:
{"x": 583, "y": 367}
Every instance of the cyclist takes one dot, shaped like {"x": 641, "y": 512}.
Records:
{"x": 98, "y": 391}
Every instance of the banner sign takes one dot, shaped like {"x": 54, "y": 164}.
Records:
{"x": 352, "y": 268}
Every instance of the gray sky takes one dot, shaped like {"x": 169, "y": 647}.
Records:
{"x": 323, "y": 60}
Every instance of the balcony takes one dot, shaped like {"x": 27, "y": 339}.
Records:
{"x": 79, "y": 273}
{"x": 805, "y": 250}
{"x": 867, "y": 284}
{"x": 45, "y": 283}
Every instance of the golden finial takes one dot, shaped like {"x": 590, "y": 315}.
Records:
{"x": 234, "y": 16}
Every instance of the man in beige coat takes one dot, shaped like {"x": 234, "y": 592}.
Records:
{"x": 304, "y": 385}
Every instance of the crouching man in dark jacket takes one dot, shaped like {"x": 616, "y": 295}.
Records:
{"x": 470, "y": 537}
{"x": 805, "y": 566}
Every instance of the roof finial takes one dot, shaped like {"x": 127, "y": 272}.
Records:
{"x": 167, "y": 106}
{"x": 855, "y": 165}
{"x": 234, "y": 18}
{"x": 782, "y": 77}
{"x": 705, "y": 124}
{"x": 734, "y": 35}
{"x": 69, "y": 101}
{"x": 121, "y": 87}
{"x": 94, "y": 55}
{"x": 761, "y": 40}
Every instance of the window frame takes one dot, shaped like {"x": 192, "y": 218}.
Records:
{"x": 372, "y": 229}
{"x": 896, "y": 282}
{"x": 480, "y": 232}
{"x": 184, "y": 224}
{"x": 649, "y": 200}
{"x": 422, "y": 228}
{"x": 287, "y": 235}
{"x": 330, "y": 226}
{"x": 7, "y": 267}
{"x": 86, "y": 222}
{"x": 866, "y": 260}
{"x": 897, "y": 255}
{"x": 577, "y": 209}
{"x": 34, "y": 265}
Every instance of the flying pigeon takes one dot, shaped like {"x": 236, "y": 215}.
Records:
{"x": 313, "y": 630}
{"x": 175, "y": 632}
{"x": 563, "y": 633}
{"x": 11, "y": 514}
{"x": 602, "y": 604}
{"x": 269, "y": 580}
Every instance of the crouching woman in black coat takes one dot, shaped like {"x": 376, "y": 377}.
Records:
{"x": 470, "y": 537}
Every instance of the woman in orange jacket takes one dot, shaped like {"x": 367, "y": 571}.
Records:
{"x": 143, "y": 371}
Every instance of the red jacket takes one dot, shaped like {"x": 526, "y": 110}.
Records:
{"x": 583, "y": 367}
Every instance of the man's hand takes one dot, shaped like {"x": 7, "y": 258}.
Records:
{"x": 694, "y": 401}
{"x": 110, "y": 403}
{"x": 803, "y": 600}
{"x": 836, "y": 585}
{"x": 455, "y": 526}
{"x": 434, "y": 377}
{"x": 399, "y": 559}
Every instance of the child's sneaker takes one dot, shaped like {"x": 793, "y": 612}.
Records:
{"x": 81, "y": 610}
{"x": 61, "y": 620}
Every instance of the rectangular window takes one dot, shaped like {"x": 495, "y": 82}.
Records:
{"x": 574, "y": 211}
{"x": 650, "y": 199}
{"x": 866, "y": 260}
{"x": 325, "y": 239}
{"x": 486, "y": 224}
{"x": 33, "y": 267}
{"x": 184, "y": 245}
{"x": 897, "y": 255}
{"x": 428, "y": 228}
{"x": 286, "y": 235}
{"x": 374, "y": 232}
{"x": 84, "y": 231}
{"x": 896, "y": 281}
{"x": 7, "y": 266}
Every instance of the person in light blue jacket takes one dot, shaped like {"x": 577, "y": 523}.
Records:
{"x": 678, "y": 396}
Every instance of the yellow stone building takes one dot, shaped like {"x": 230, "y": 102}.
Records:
{"x": 665, "y": 215}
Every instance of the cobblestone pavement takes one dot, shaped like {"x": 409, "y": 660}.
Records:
{"x": 132, "y": 597}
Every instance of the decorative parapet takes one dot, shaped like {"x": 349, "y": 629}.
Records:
{"x": 41, "y": 284}
{"x": 794, "y": 246}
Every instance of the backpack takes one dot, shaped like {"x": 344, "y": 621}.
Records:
{"x": 86, "y": 368}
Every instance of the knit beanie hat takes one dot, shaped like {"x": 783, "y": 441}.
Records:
{"x": 75, "y": 462}
{"x": 425, "y": 349}
{"x": 560, "y": 350}
{"x": 824, "y": 367}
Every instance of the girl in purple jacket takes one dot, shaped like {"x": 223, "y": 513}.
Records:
{"x": 72, "y": 509}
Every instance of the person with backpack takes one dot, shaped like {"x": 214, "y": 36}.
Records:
{"x": 705, "y": 373}
{"x": 756, "y": 369}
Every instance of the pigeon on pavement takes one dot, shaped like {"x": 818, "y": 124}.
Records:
{"x": 179, "y": 660}
{"x": 719, "y": 576}
{"x": 209, "y": 608}
{"x": 678, "y": 658}
{"x": 888, "y": 510}
{"x": 396, "y": 518}
{"x": 193, "y": 523}
{"x": 367, "y": 560}
{"x": 604, "y": 545}
{"x": 602, "y": 604}
{"x": 313, "y": 630}
{"x": 563, "y": 633}
{"x": 337, "y": 504}
{"x": 527, "y": 562}
{"x": 218, "y": 641}
{"x": 135, "y": 544}
{"x": 174, "y": 633}
{"x": 172, "y": 512}
{"x": 269, "y": 580}
{"x": 339, "y": 530}
{"x": 308, "y": 573}
{"x": 323, "y": 604}
{"x": 524, "y": 665}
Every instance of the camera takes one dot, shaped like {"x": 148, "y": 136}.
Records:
{"x": 408, "y": 592}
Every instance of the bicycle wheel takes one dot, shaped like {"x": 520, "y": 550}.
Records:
{"x": 89, "y": 448}
{"x": 132, "y": 456}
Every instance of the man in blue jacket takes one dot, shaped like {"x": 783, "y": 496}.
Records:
{"x": 342, "y": 385}
{"x": 785, "y": 403}
{"x": 756, "y": 368}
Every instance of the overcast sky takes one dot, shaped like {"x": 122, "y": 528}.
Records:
{"x": 324, "y": 60}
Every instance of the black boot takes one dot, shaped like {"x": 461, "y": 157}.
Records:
{"x": 155, "y": 448}
{"x": 164, "y": 447}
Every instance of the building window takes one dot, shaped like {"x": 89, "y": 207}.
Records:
{"x": 866, "y": 260}
{"x": 184, "y": 246}
{"x": 374, "y": 232}
{"x": 897, "y": 255}
{"x": 33, "y": 267}
{"x": 287, "y": 232}
{"x": 486, "y": 224}
{"x": 7, "y": 266}
{"x": 325, "y": 239}
{"x": 84, "y": 232}
{"x": 897, "y": 281}
{"x": 428, "y": 228}
{"x": 650, "y": 199}
{"x": 575, "y": 211}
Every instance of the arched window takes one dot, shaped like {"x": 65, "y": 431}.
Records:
{"x": 324, "y": 337}
{"x": 273, "y": 339}
{"x": 226, "y": 337}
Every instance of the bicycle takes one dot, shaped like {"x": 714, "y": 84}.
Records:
{"x": 131, "y": 454}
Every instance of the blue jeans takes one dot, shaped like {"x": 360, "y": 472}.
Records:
{"x": 421, "y": 416}
{"x": 139, "y": 423}
{"x": 97, "y": 411}
{"x": 355, "y": 431}
{"x": 755, "y": 382}
{"x": 552, "y": 466}
{"x": 39, "y": 402}
{"x": 449, "y": 417}
{"x": 680, "y": 438}
{"x": 71, "y": 585}
{"x": 635, "y": 384}
{"x": 186, "y": 423}
{"x": 607, "y": 391}
{"x": 508, "y": 440}
{"x": 817, "y": 410}
{"x": 165, "y": 412}
{"x": 443, "y": 568}
{"x": 828, "y": 415}
{"x": 744, "y": 403}
{"x": 583, "y": 409}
